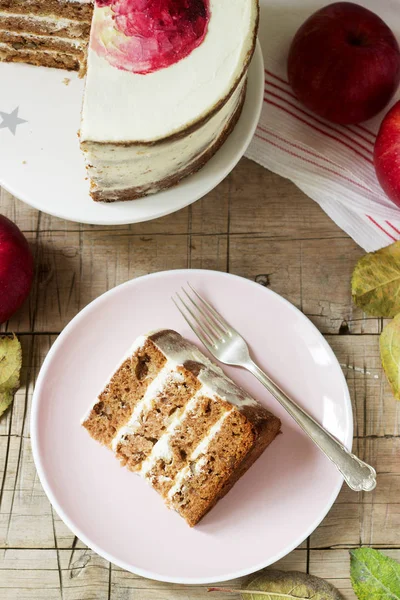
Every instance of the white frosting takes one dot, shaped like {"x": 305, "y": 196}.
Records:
{"x": 114, "y": 168}
{"x": 215, "y": 382}
{"x": 58, "y": 22}
{"x": 120, "y": 106}
{"x": 72, "y": 42}
{"x": 199, "y": 465}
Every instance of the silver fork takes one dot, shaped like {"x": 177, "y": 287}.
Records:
{"x": 228, "y": 346}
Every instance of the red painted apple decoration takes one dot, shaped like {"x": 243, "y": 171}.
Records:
{"x": 344, "y": 63}
{"x": 387, "y": 154}
{"x": 144, "y": 36}
{"x": 16, "y": 268}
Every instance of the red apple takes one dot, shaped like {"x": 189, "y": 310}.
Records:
{"x": 387, "y": 154}
{"x": 344, "y": 63}
{"x": 16, "y": 268}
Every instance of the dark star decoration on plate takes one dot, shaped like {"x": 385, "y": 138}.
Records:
{"x": 11, "y": 120}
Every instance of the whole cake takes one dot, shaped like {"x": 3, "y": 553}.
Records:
{"x": 49, "y": 33}
{"x": 166, "y": 82}
{"x": 173, "y": 417}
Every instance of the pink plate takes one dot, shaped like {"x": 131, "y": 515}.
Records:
{"x": 269, "y": 512}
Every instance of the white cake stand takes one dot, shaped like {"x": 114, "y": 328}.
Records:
{"x": 41, "y": 162}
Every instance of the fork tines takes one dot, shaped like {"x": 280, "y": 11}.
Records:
{"x": 203, "y": 319}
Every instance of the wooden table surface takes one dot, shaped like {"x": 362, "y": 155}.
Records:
{"x": 259, "y": 226}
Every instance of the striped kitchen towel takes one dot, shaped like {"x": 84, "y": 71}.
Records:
{"x": 332, "y": 164}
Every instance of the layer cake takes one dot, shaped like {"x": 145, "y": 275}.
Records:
{"x": 172, "y": 416}
{"x": 49, "y": 33}
{"x": 166, "y": 80}
{"x": 165, "y": 86}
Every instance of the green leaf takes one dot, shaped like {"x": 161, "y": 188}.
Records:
{"x": 389, "y": 343}
{"x": 376, "y": 282}
{"x": 10, "y": 368}
{"x": 281, "y": 585}
{"x": 374, "y": 576}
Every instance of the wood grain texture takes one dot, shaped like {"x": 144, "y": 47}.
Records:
{"x": 254, "y": 224}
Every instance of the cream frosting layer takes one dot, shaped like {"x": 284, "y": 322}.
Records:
{"x": 114, "y": 167}
{"x": 120, "y": 106}
{"x": 39, "y": 52}
{"x": 73, "y": 43}
{"x": 215, "y": 382}
{"x": 50, "y": 24}
{"x": 60, "y": 22}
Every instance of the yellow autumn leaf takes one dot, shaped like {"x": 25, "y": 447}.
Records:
{"x": 389, "y": 343}
{"x": 285, "y": 585}
{"x": 376, "y": 282}
{"x": 10, "y": 368}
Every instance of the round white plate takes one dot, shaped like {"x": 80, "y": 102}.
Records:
{"x": 269, "y": 512}
{"x": 41, "y": 162}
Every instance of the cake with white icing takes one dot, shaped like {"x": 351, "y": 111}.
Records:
{"x": 49, "y": 33}
{"x": 172, "y": 416}
{"x": 166, "y": 82}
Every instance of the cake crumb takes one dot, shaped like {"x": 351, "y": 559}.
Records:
{"x": 66, "y": 81}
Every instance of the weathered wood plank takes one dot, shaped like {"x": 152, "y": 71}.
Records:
{"x": 137, "y": 588}
{"x": 75, "y": 268}
{"x": 20, "y": 213}
{"x": 334, "y": 566}
{"x": 312, "y": 274}
{"x": 86, "y": 576}
{"x": 376, "y": 412}
{"x": 54, "y": 575}
{"x": 262, "y": 201}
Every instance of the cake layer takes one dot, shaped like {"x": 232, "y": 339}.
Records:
{"x": 128, "y": 385}
{"x": 79, "y": 9}
{"x": 40, "y": 58}
{"x": 199, "y": 484}
{"x": 29, "y": 41}
{"x": 189, "y": 431}
{"x": 42, "y": 25}
{"x": 126, "y": 172}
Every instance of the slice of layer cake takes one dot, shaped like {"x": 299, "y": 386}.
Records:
{"x": 173, "y": 417}
{"x": 166, "y": 84}
{"x": 49, "y": 33}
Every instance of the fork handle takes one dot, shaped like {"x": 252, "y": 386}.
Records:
{"x": 357, "y": 474}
